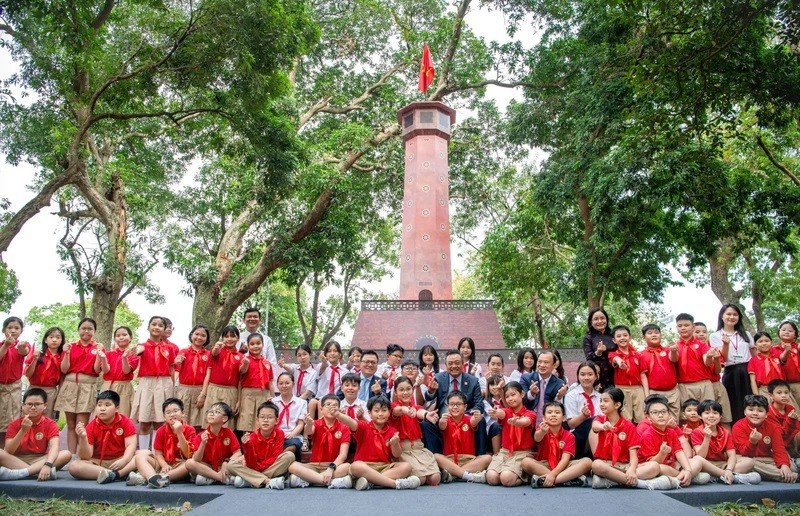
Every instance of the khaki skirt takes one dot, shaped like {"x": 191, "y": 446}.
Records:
{"x": 249, "y": 400}
{"x": 505, "y": 461}
{"x": 78, "y": 397}
{"x": 52, "y": 394}
{"x": 125, "y": 391}
{"x": 150, "y": 394}
{"x": 221, "y": 393}
{"x": 10, "y": 404}
{"x": 422, "y": 461}
{"x": 188, "y": 394}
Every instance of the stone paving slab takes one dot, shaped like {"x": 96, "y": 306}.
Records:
{"x": 457, "y": 498}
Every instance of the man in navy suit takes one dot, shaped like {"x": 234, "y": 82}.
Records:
{"x": 371, "y": 385}
{"x": 453, "y": 378}
{"x": 542, "y": 381}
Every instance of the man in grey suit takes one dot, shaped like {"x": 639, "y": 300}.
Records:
{"x": 445, "y": 382}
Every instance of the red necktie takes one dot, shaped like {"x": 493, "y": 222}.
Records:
{"x": 285, "y": 413}
{"x": 767, "y": 368}
{"x": 455, "y": 384}
{"x": 456, "y": 438}
{"x": 390, "y": 385}
{"x": 588, "y": 399}
{"x": 334, "y": 374}
{"x": 554, "y": 454}
{"x": 300, "y": 382}
{"x": 351, "y": 411}
{"x": 465, "y": 367}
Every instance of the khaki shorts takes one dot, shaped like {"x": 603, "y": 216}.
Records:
{"x": 380, "y": 467}
{"x": 105, "y": 463}
{"x": 30, "y": 459}
{"x": 721, "y": 396}
{"x": 10, "y": 403}
{"x": 621, "y": 466}
{"x": 633, "y": 405}
{"x": 463, "y": 459}
{"x": 504, "y": 461}
{"x": 422, "y": 461}
{"x": 319, "y": 467}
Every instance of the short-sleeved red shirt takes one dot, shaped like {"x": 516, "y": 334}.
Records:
{"x": 661, "y": 373}
{"x": 514, "y": 438}
{"x": 789, "y": 426}
{"x": 195, "y": 364}
{"x": 157, "y": 358}
{"x": 651, "y": 440}
{"x": 115, "y": 372}
{"x": 46, "y": 373}
{"x": 260, "y": 452}
{"x": 11, "y": 364}
{"x": 225, "y": 367}
{"x": 408, "y": 426}
{"x": 81, "y": 359}
{"x": 259, "y": 373}
{"x": 372, "y": 442}
{"x": 328, "y": 440}
{"x": 691, "y": 367}
{"x": 218, "y": 448}
{"x": 616, "y": 444}
{"x": 633, "y": 374}
{"x": 719, "y": 444}
{"x": 459, "y": 438}
{"x": 765, "y": 368}
{"x": 35, "y": 440}
{"x": 791, "y": 369}
{"x": 109, "y": 439}
{"x": 166, "y": 441}
{"x": 770, "y": 445}
{"x": 553, "y": 446}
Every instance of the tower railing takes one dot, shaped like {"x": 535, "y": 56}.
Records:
{"x": 415, "y": 304}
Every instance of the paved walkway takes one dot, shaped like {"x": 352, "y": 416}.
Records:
{"x": 454, "y": 499}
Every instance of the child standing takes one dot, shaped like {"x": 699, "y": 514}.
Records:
{"x": 81, "y": 363}
{"x": 695, "y": 361}
{"x": 255, "y": 384}
{"x": 328, "y": 465}
{"x": 43, "y": 367}
{"x": 292, "y": 414}
{"x": 756, "y": 437}
{"x": 304, "y": 374}
{"x": 765, "y": 366}
{"x": 720, "y": 394}
{"x": 122, "y": 362}
{"x": 406, "y": 415}
{"x": 12, "y": 357}
{"x": 494, "y": 399}
{"x": 106, "y": 446}
{"x": 582, "y": 404}
{"x": 155, "y": 381}
{"x": 428, "y": 361}
{"x": 226, "y": 365}
{"x": 615, "y": 445}
{"x": 554, "y": 464}
{"x": 714, "y": 449}
{"x": 662, "y": 378}
{"x": 379, "y": 444}
{"x": 630, "y": 374}
{"x": 526, "y": 363}
{"x": 516, "y": 438}
{"x": 193, "y": 374}
{"x": 214, "y": 447}
{"x": 171, "y": 447}
{"x": 330, "y": 372}
{"x": 494, "y": 366}
{"x": 458, "y": 440}
{"x": 790, "y": 357}
{"x": 466, "y": 346}
{"x": 390, "y": 369}
{"x": 354, "y": 359}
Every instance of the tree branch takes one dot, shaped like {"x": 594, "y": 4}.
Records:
{"x": 780, "y": 166}
{"x": 137, "y": 281}
{"x": 455, "y": 39}
{"x": 103, "y": 15}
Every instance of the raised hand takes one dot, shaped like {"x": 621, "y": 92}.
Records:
{"x": 80, "y": 429}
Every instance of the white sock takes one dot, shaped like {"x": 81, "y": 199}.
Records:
{"x": 641, "y": 484}
{"x": 13, "y": 474}
{"x": 467, "y": 476}
{"x": 144, "y": 442}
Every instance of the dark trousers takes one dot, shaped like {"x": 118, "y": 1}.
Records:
{"x": 581, "y": 433}
{"x": 737, "y": 382}
{"x": 432, "y": 437}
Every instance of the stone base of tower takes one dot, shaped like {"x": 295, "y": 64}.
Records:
{"x": 413, "y": 324}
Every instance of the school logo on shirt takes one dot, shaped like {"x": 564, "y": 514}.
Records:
{"x": 776, "y": 361}
{"x": 165, "y": 352}
{"x": 205, "y": 358}
{"x": 622, "y": 436}
{"x": 39, "y": 436}
{"x": 338, "y": 434}
{"x": 696, "y": 346}
{"x": 226, "y": 441}
{"x": 237, "y": 357}
{"x": 636, "y": 361}
{"x": 94, "y": 352}
{"x": 464, "y": 427}
{"x": 561, "y": 444}
{"x": 663, "y": 353}
{"x": 767, "y": 439}
{"x": 118, "y": 431}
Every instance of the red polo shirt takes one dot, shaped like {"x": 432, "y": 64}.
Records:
{"x": 193, "y": 369}
{"x": 691, "y": 367}
{"x": 109, "y": 439}
{"x": 218, "y": 448}
{"x": 372, "y": 442}
{"x": 661, "y": 374}
{"x": 789, "y": 426}
{"x": 11, "y": 364}
{"x": 35, "y": 440}
{"x": 156, "y": 359}
{"x": 791, "y": 369}
{"x": 259, "y": 373}
{"x": 225, "y": 367}
{"x": 166, "y": 442}
{"x": 514, "y": 438}
{"x": 459, "y": 437}
{"x": 765, "y": 368}
{"x": 261, "y": 452}
{"x": 632, "y": 375}
{"x": 651, "y": 440}
{"x": 115, "y": 373}
{"x": 553, "y": 446}
{"x": 81, "y": 359}
{"x": 616, "y": 444}
{"x": 328, "y": 440}
{"x": 46, "y": 373}
{"x": 771, "y": 443}
{"x": 718, "y": 446}
{"x": 408, "y": 426}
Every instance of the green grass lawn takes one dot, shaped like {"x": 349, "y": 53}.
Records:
{"x": 24, "y": 507}
{"x": 767, "y": 507}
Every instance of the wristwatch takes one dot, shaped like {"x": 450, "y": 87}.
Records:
{"x": 49, "y": 464}
{"x": 332, "y": 465}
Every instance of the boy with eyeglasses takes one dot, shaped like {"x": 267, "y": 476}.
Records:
{"x": 668, "y": 447}
{"x": 458, "y": 440}
{"x": 214, "y": 447}
{"x": 32, "y": 444}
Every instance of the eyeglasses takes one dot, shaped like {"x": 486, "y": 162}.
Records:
{"x": 266, "y": 418}
{"x": 215, "y": 412}
{"x": 176, "y": 411}
{"x": 33, "y": 405}
{"x": 369, "y": 362}
{"x": 658, "y": 412}
{"x": 455, "y": 404}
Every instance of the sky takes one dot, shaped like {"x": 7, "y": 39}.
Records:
{"x": 32, "y": 254}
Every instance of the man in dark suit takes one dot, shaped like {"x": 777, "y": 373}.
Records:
{"x": 542, "y": 381}
{"x": 453, "y": 378}
{"x": 371, "y": 384}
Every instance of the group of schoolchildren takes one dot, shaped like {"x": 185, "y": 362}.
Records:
{"x": 238, "y": 416}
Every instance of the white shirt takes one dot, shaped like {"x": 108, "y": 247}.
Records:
{"x": 738, "y": 349}
{"x": 268, "y": 351}
{"x": 515, "y": 375}
{"x": 574, "y": 401}
{"x": 323, "y": 383}
{"x": 298, "y": 408}
{"x": 484, "y": 386}
{"x": 309, "y": 379}
{"x": 384, "y": 367}
{"x": 344, "y": 405}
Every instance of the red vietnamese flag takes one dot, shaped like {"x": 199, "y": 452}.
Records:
{"x": 426, "y": 69}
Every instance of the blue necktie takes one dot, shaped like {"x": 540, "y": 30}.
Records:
{"x": 362, "y": 392}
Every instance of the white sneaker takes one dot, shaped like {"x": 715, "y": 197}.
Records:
{"x": 239, "y": 482}
{"x": 446, "y": 476}
{"x": 479, "y": 477}
{"x": 135, "y": 479}
{"x": 701, "y": 479}
{"x": 599, "y": 482}
{"x": 747, "y": 479}
{"x": 662, "y": 483}
{"x": 276, "y": 483}
{"x": 200, "y": 480}
{"x": 346, "y": 482}
{"x": 295, "y": 481}
{"x": 362, "y": 484}
{"x": 411, "y": 482}
{"x": 13, "y": 474}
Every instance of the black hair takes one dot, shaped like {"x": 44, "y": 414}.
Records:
{"x": 709, "y": 405}
{"x": 11, "y": 319}
{"x": 457, "y": 394}
{"x": 691, "y": 402}
{"x": 756, "y": 400}
{"x": 303, "y": 347}
{"x": 268, "y": 405}
{"x": 402, "y": 379}
{"x": 200, "y": 327}
{"x": 355, "y": 349}
{"x": 521, "y": 358}
{"x": 451, "y": 353}
{"x": 409, "y": 363}
{"x": 35, "y": 391}
{"x": 126, "y": 328}
{"x": 225, "y": 408}
{"x": 429, "y": 349}
{"x": 774, "y": 384}
{"x": 328, "y": 345}
{"x": 760, "y": 334}
{"x": 560, "y": 367}
{"x": 391, "y": 348}
{"x": 591, "y": 365}
{"x": 490, "y": 381}
{"x": 471, "y": 344}
{"x": 370, "y": 353}
{"x": 790, "y": 323}
{"x": 331, "y": 397}
{"x": 555, "y": 403}
{"x": 648, "y": 327}
{"x": 656, "y": 397}
{"x": 253, "y": 336}
{"x": 619, "y": 327}
{"x": 616, "y": 395}
{"x": 592, "y": 331}
{"x": 738, "y": 327}
{"x": 252, "y": 309}
{"x": 230, "y": 330}
{"x": 684, "y": 317}
{"x": 496, "y": 355}
{"x": 351, "y": 377}
{"x": 86, "y": 319}
{"x": 513, "y": 386}
{"x": 287, "y": 373}
{"x": 44, "y": 342}
{"x": 163, "y": 320}
{"x": 171, "y": 401}
{"x": 381, "y": 401}
{"x": 109, "y": 395}
{"x": 700, "y": 323}
{"x": 655, "y": 401}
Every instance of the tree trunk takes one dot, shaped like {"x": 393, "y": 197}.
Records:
{"x": 720, "y": 264}
{"x": 206, "y": 310}
{"x": 107, "y": 287}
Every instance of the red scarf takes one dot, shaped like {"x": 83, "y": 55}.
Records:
{"x": 214, "y": 452}
{"x": 380, "y": 436}
{"x": 170, "y": 444}
{"x": 554, "y": 451}
{"x": 588, "y": 399}
{"x": 616, "y": 443}
{"x": 285, "y": 412}
{"x": 334, "y": 374}
{"x": 457, "y": 445}
{"x": 160, "y": 352}
{"x": 300, "y": 376}
{"x": 106, "y": 432}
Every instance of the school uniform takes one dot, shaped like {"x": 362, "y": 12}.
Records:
{"x": 263, "y": 460}
{"x": 615, "y": 446}
{"x": 735, "y": 378}
{"x": 422, "y": 461}
{"x": 156, "y": 384}
{"x": 46, "y": 376}
{"x": 765, "y": 367}
{"x": 304, "y": 379}
{"x": 255, "y": 389}
{"x": 574, "y": 401}
{"x": 372, "y": 445}
{"x": 694, "y": 376}
{"x": 224, "y": 381}
{"x": 553, "y": 446}
{"x": 769, "y": 452}
{"x": 458, "y": 440}
{"x": 33, "y": 445}
{"x": 718, "y": 446}
{"x": 166, "y": 442}
{"x": 10, "y": 386}
{"x": 330, "y": 380}
{"x": 78, "y": 389}
{"x": 393, "y": 372}
{"x": 108, "y": 440}
{"x": 328, "y": 441}
{"x": 790, "y": 428}
{"x": 629, "y": 381}
{"x": 652, "y": 439}
{"x": 352, "y": 408}
{"x": 267, "y": 350}
{"x": 118, "y": 381}
{"x": 470, "y": 386}
{"x": 290, "y": 413}
{"x": 516, "y": 444}
{"x": 662, "y": 378}
{"x": 791, "y": 369}
{"x": 219, "y": 446}
{"x": 191, "y": 375}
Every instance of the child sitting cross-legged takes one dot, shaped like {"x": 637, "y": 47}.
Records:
{"x": 668, "y": 448}
{"x": 214, "y": 447}
{"x": 458, "y": 438}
